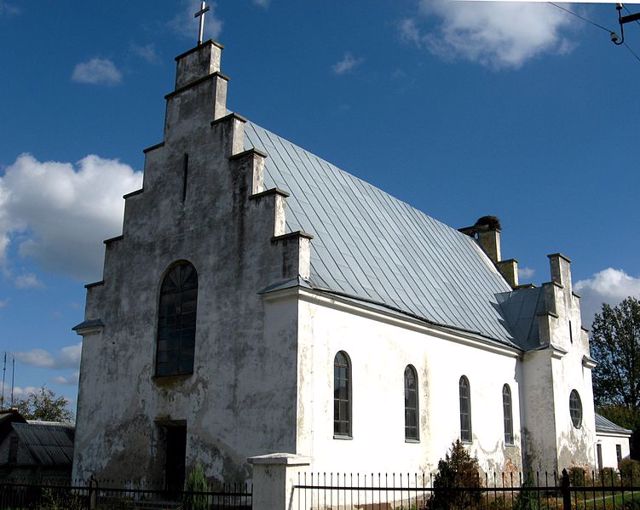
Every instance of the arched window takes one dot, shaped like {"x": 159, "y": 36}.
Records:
{"x": 575, "y": 409}
{"x": 465, "y": 410}
{"x": 342, "y": 395}
{"x": 411, "y": 404}
{"x": 177, "y": 320}
{"x": 508, "y": 414}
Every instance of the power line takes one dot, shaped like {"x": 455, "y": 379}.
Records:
{"x": 582, "y": 18}
{"x": 632, "y": 52}
{"x": 597, "y": 25}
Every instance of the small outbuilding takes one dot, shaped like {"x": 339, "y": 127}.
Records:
{"x": 35, "y": 451}
{"x": 612, "y": 443}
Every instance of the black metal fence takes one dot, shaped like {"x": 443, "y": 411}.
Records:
{"x": 17, "y": 496}
{"x": 509, "y": 491}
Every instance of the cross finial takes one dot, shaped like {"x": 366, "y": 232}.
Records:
{"x": 204, "y": 8}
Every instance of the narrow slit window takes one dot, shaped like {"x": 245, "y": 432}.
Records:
{"x": 508, "y": 414}
{"x": 185, "y": 176}
{"x": 465, "y": 410}
{"x": 411, "y": 431}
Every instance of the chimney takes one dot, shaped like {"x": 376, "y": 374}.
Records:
{"x": 560, "y": 270}
{"x": 509, "y": 271}
{"x": 487, "y": 230}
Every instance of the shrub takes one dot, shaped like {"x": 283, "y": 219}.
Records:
{"x": 196, "y": 482}
{"x": 578, "y": 476}
{"x": 608, "y": 476}
{"x": 526, "y": 499}
{"x": 458, "y": 470}
{"x": 630, "y": 472}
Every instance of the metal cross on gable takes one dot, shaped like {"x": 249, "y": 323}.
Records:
{"x": 204, "y": 8}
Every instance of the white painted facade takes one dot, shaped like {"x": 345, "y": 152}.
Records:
{"x": 609, "y": 444}
{"x": 263, "y": 376}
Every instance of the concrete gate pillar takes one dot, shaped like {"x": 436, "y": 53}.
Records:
{"x": 274, "y": 477}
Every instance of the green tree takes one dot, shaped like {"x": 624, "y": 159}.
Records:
{"x": 458, "y": 470}
{"x": 615, "y": 345}
{"x": 44, "y": 405}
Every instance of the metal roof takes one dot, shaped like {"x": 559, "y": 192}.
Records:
{"x": 48, "y": 444}
{"x": 603, "y": 425}
{"x": 371, "y": 246}
{"x": 521, "y": 308}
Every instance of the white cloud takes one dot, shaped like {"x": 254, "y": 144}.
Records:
{"x": 59, "y": 213}
{"x": 21, "y": 392}
{"x": 347, "y": 64}
{"x": 525, "y": 273}
{"x": 97, "y": 71}
{"x": 497, "y": 35}
{"x": 36, "y": 358}
{"x": 71, "y": 380}
{"x": 262, "y": 3}
{"x": 27, "y": 281}
{"x": 67, "y": 357}
{"x": 186, "y": 25}
{"x": 609, "y": 286}
{"x": 147, "y": 52}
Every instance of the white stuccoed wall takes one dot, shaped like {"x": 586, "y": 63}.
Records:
{"x": 608, "y": 443}
{"x": 380, "y": 347}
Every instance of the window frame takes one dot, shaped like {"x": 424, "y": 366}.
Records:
{"x": 411, "y": 430}
{"x": 575, "y": 412}
{"x": 345, "y": 404}
{"x": 466, "y": 434}
{"x": 507, "y": 412}
{"x": 175, "y": 327}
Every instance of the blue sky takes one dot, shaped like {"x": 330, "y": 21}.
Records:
{"x": 460, "y": 109}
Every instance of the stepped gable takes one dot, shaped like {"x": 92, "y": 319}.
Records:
{"x": 373, "y": 247}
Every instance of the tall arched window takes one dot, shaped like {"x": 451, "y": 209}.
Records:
{"x": 508, "y": 414}
{"x": 342, "y": 395}
{"x": 411, "y": 404}
{"x": 177, "y": 320}
{"x": 465, "y": 410}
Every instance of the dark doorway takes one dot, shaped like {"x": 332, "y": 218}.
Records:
{"x": 175, "y": 461}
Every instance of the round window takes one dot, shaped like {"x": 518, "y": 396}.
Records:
{"x": 575, "y": 408}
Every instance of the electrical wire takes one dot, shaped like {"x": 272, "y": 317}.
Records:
{"x": 635, "y": 55}
{"x": 632, "y": 52}
{"x": 582, "y": 18}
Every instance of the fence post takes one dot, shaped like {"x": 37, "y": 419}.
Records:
{"x": 93, "y": 493}
{"x": 566, "y": 490}
{"x": 274, "y": 476}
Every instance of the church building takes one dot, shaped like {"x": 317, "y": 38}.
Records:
{"x": 262, "y": 300}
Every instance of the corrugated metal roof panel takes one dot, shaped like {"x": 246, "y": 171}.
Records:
{"x": 49, "y": 445}
{"x": 421, "y": 266}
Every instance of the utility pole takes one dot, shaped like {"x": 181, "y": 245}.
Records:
{"x": 4, "y": 372}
